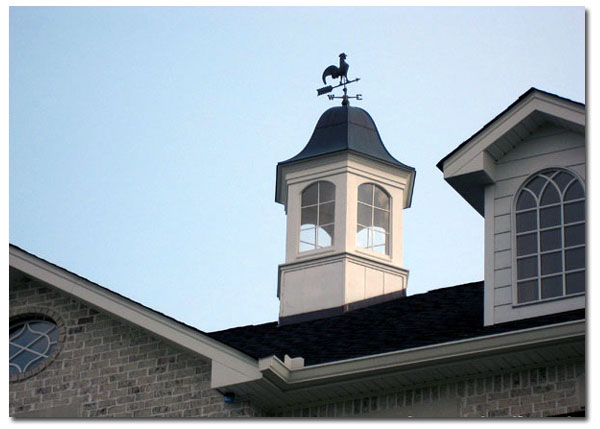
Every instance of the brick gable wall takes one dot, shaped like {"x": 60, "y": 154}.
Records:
{"x": 108, "y": 368}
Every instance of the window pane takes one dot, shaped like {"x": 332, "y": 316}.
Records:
{"x": 381, "y": 199}
{"x": 550, "y": 195}
{"x": 309, "y": 195}
{"x": 525, "y": 201}
{"x": 536, "y": 185}
{"x": 574, "y": 235}
{"x": 365, "y": 215}
{"x": 307, "y": 237}
{"x": 527, "y": 291}
{"x": 549, "y": 216}
{"x": 326, "y": 192}
{"x": 326, "y": 213}
{"x": 551, "y": 263}
{"x": 379, "y": 237}
{"x": 574, "y": 191}
{"x": 527, "y": 267}
{"x": 575, "y": 258}
{"x": 562, "y": 179}
{"x": 362, "y": 237}
{"x": 325, "y": 236}
{"x": 526, "y": 221}
{"x": 24, "y": 359}
{"x": 574, "y": 212}
{"x": 380, "y": 249}
{"x": 575, "y": 282}
{"x": 365, "y": 193}
{"x": 382, "y": 219}
{"x": 309, "y": 216}
{"x": 41, "y": 345}
{"x": 552, "y": 286}
{"x": 527, "y": 244}
{"x": 550, "y": 239}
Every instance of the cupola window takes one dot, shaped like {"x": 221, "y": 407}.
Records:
{"x": 373, "y": 231}
{"x": 550, "y": 236}
{"x": 317, "y": 216}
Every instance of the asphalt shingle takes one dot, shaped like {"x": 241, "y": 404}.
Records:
{"x": 435, "y": 317}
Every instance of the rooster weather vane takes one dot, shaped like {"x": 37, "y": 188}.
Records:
{"x": 342, "y": 73}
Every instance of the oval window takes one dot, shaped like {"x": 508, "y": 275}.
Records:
{"x": 31, "y": 342}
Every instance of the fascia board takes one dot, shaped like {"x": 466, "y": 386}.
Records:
{"x": 422, "y": 356}
{"x": 135, "y": 314}
{"x": 535, "y": 102}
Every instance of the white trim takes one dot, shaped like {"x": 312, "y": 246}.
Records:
{"x": 536, "y": 101}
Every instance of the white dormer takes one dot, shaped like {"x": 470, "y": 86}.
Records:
{"x": 525, "y": 173}
{"x": 343, "y": 195}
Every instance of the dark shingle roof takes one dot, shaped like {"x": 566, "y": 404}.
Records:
{"x": 346, "y": 128}
{"x": 438, "y": 316}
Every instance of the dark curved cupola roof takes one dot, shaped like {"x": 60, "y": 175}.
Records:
{"x": 346, "y": 128}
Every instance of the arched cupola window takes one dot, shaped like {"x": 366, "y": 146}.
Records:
{"x": 317, "y": 216}
{"x": 550, "y": 236}
{"x": 373, "y": 229}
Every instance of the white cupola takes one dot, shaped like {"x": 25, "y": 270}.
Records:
{"x": 343, "y": 195}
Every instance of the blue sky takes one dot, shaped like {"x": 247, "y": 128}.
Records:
{"x": 143, "y": 141}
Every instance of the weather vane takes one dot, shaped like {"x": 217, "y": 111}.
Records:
{"x": 342, "y": 73}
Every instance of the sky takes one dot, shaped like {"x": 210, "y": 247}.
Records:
{"x": 143, "y": 141}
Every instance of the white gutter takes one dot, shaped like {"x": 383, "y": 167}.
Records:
{"x": 421, "y": 356}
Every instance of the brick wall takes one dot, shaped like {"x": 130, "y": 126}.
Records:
{"x": 107, "y": 368}
{"x": 537, "y": 392}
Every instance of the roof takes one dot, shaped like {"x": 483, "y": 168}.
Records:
{"x": 531, "y": 90}
{"x": 439, "y": 316}
{"x": 470, "y": 168}
{"x": 346, "y": 128}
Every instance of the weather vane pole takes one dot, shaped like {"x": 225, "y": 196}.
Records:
{"x": 342, "y": 73}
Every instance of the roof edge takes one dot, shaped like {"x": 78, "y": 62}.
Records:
{"x": 526, "y": 94}
{"x": 123, "y": 308}
{"x": 337, "y": 371}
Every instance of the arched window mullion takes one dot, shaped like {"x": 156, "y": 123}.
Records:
{"x": 567, "y": 187}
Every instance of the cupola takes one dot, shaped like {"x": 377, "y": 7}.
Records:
{"x": 343, "y": 195}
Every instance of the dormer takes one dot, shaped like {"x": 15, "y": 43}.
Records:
{"x": 525, "y": 173}
{"x": 343, "y": 195}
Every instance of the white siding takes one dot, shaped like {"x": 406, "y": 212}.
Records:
{"x": 548, "y": 147}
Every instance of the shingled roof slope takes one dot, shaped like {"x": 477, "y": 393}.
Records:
{"x": 438, "y": 316}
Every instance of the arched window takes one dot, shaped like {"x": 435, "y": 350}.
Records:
{"x": 317, "y": 216}
{"x": 550, "y": 236}
{"x": 373, "y": 231}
